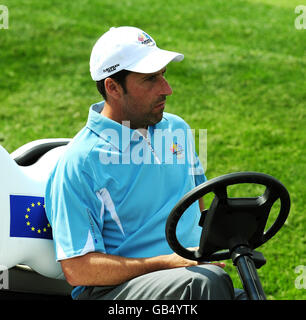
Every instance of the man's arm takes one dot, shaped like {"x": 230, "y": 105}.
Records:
{"x": 99, "y": 269}
{"x": 103, "y": 269}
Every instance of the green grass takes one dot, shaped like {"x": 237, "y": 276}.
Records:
{"x": 243, "y": 79}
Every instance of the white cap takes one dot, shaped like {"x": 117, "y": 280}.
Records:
{"x": 128, "y": 48}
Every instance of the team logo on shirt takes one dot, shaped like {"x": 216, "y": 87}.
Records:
{"x": 177, "y": 150}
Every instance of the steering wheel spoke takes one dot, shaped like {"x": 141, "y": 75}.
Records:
{"x": 221, "y": 192}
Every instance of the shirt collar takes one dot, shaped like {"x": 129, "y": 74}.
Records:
{"x": 112, "y": 132}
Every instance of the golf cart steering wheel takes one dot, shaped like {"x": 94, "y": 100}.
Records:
{"x": 230, "y": 222}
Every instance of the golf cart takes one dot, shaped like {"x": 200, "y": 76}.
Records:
{"x": 232, "y": 227}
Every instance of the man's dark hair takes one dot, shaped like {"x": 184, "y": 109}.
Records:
{"x": 119, "y": 77}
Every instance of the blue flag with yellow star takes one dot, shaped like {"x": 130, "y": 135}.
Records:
{"x": 28, "y": 218}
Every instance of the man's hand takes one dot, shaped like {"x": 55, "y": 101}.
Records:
{"x": 179, "y": 261}
{"x": 219, "y": 264}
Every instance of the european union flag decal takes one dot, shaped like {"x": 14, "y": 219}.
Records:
{"x": 28, "y": 218}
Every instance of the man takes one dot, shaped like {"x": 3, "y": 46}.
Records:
{"x": 110, "y": 194}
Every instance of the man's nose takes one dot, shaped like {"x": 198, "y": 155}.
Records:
{"x": 165, "y": 88}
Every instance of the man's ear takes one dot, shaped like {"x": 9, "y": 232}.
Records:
{"x": 113, "y": 89}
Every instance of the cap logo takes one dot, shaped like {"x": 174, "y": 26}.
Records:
{"x": 112, "y": 68}
{"x": 144, "y": 38}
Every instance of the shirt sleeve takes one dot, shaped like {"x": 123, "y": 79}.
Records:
{"x": 74, "y": 212}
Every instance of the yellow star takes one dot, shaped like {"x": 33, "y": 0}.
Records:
{"x": 38, "y": 203}
{"x": 44, "y": 206}
{"x": 28, "y": 223}
{"x": 48, "y": 225}
{"x": 28, "y": 209}
{"x": 33, "y": 205}
{"x": 45, "y": 230}
{"x": 33, "y": 229}
{"x": 26, "y": 216}
{"x": 39, "y": 231}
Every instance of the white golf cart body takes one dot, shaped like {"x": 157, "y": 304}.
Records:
{"x": 28, "y": 265}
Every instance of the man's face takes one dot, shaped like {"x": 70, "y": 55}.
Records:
{"x": 144, "y": 101}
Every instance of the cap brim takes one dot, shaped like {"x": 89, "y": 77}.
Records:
{"x": 155, "y": 61}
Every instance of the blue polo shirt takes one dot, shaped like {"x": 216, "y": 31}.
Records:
{"x": 114, "y": 187}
